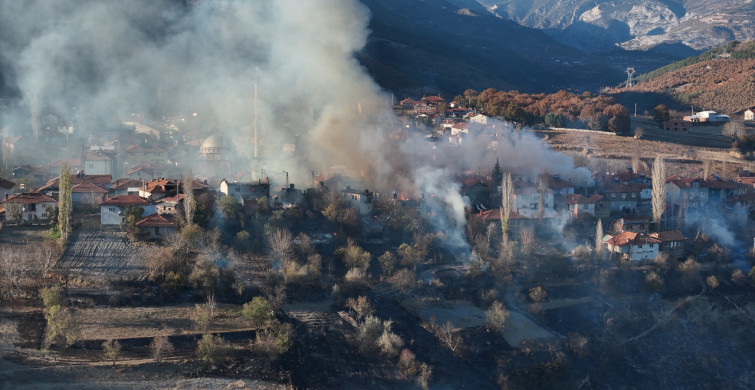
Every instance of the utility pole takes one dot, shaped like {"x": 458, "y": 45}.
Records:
{"x": 286, "y": 178}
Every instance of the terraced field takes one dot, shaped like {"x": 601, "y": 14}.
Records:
{"x": 103, "y": 254}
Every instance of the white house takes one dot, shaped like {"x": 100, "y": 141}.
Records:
{"x": 113, "y": 209}
{"x": 527, "y": 199}
{"x": 245, "y": 191}
{"x": 749, "y": 114}
{"x": 707, "y": 116}
{"x": 100, "y": 162}
{"x": 30, "y": 206}
{"x": 479, "y": 118}
{"x": 361, "y": 200}
{"x": 634, "y": 246}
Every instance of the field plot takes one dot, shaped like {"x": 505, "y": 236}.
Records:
{"x": 103, "y": 254}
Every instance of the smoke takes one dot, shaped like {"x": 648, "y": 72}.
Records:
{"x": 97, "y": 62}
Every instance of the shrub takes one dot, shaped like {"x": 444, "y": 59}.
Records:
{"x": 258, "y": 312}
{"x": 212, "y": 349}
{"x": 496, "y": 317}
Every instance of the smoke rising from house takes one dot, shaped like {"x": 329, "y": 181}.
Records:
{"x": 96, "y": 61}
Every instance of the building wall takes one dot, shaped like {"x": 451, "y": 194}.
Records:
{"x": 643, "y": 252}
{"x": 98, "y": 167}
{"x": 113, "y": 215}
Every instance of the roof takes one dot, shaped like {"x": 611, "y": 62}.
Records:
{"x": 30, "y": 198}
{"x": 615, "y": 187}
{"x": 125, "y": 200}
{"x": 213, "y": 141}
{"x": 579, "y": 199}
{"x": 626, "y": 238}
{"x": 78, "y": 179}
{"x": 722, "y": 184}
{"x": 87, "y": 188}
{"x": 7, "y": 184}
{"x": 139, "y": 149}
{"x": 172, "y": 199}
{"x": 156, "y": 220}
{"x": 99, "y": 155}
{"x": 555, "y": 182}
{"x": 495, "y": 215}
{"x": 681, "y": 182}
{"x": 196, "y": 184}
{"x": 433, "y": 99}
{"x": 126, "y": 183}
{"x": 158, "y": 185}
{"x": 668, "y": 236}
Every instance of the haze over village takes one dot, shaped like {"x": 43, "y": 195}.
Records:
{"x": 359, "y": 194}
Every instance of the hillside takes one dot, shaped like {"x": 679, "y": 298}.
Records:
{"x": 633, "y": 24}
{"x": 722, "y": 79}
{"x": 418, "y": 47}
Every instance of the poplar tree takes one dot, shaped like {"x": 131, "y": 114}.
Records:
{"x": 659, "y": 190}
{"x": 507, "y": 193}
{"x": 65, "y": 204}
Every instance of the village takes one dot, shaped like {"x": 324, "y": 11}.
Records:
{"x": 229, "y": 256}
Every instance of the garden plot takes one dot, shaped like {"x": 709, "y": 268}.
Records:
{"x": 103, "y": 254}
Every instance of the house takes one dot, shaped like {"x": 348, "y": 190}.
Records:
{"x": 363, "y": 201}
{"x": 289, "y": 195}
{"x": 560, "y": 187}
{"x": 594, "y": 206}
{"x": 670, "y": 242}
{"x": 721, "y": 190}
{"x": 637, "y": 225}
{"x": 170, "y": 205}
{"x": 157, "y": 189}
{"x": 246, "y": 191}
{"x": 52, "y": 187}
{"x": 681, "y": 190}
{"x": 623, "y": 198}
{"x": 634, "y": 246}
{"x": 433, "y": 100}
{"x": 157, "y": 226}
{"x": 126, "y": 186}
{"x": 526, "y": 201}
{"x": 99, "y": 162}
{"x": 479, "y": 118}
{"x": 747, "y": 177}
{"x": 459, "y": 127}
{"x": 30, "y": 207}
{"x": 749, "y": 114}
{"x": 142, "y": 172}
{"x": 136, "y": 153}
{"x": 676, "y": 125}
{"x": 517, "y": 222}
{"x": 113, "y": 209}
{"x": 87, "y": 194}
{"x": 707, "y": 117}
{"x": 6, "y": 188}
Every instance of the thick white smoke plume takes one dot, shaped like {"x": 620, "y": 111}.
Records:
{"x": 97, "y": 62}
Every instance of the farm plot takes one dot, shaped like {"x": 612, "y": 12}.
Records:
{"x": 103, "y": 254}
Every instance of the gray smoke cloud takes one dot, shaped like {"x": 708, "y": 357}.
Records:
{"x": 166, "y": 57}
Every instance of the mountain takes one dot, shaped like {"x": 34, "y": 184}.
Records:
{"x": 721, "y": 79}
{"x": 421, "y": 46}
{"x": 633, "y": 24}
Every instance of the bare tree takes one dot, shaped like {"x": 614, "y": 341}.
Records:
{"x": 706, "y": 168}
{"x": 659, "y": 190}
{"x": 496, "y": 317}
{"x": 507, "y": 195}
{"x": 542, "y": 188}
{"x": 190, "y": 202}
{"x": 160, "y": 347}
{"x": 449, "y": 336}
{"x": 734, "y": 129}
{"x": 526, "y": 240}
{"x": 281, "y": 244}
{"x": 65, "y": 203}
{"x": 599, "y": 238}
{"x": 636, "y": 154}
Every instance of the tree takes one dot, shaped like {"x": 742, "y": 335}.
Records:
{"x": 387, "y": 263}
{"x": 160, "y": 347}
{"x": 661, "y": 114}
{"x": 706, "y": 168}
{"x": 258, "y": 311}
{"x": 190, "y": 202}
{"x": 15, "y": 212}
{"x": 272, "y": 342}
{"x": 542, "y": 189}
{"x": 599, "y": 237}
{"x": 212, "y": 349}
{"x": 229, "y": 207}
{"x": 403, "y": 281}
{"x": 507, "y": 195}
{"x": 636, "y": 155}
{"x": 131, "y": 216}
{"x": 65, "y": 203}
{"x": 659, "y": 190}
{"x": 497, "y": 173}
{"x": 281, "y": 244}
{"x": 111, "y": 349}
{"x": 496, "y": 317}
{"x": 361, "y": 307}
{"x": 202, "y": 316}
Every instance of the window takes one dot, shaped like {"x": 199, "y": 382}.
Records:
{"x": 91, "y": 165}
{"x": 112, "y": 209}
{"x": 613, "y": 194}
{"x": 702, "y": 194}
{"x": 634, "y": 195}
{"x": 623, "y": 196}
{"x": 238, "y": 189}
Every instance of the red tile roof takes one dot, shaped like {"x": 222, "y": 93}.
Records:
{"x": 88, "y": 188}
{"x": 668, "y": 236}
{"x": 125, "y": 200}
{"x": 626, "y": 238}
{"x": 139, "y": 149}
{"x": 156, "y": 220}
{"x": 30, "y": 198}
{"x": 495, "y": 215}
{"x": 126, "y": 183}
